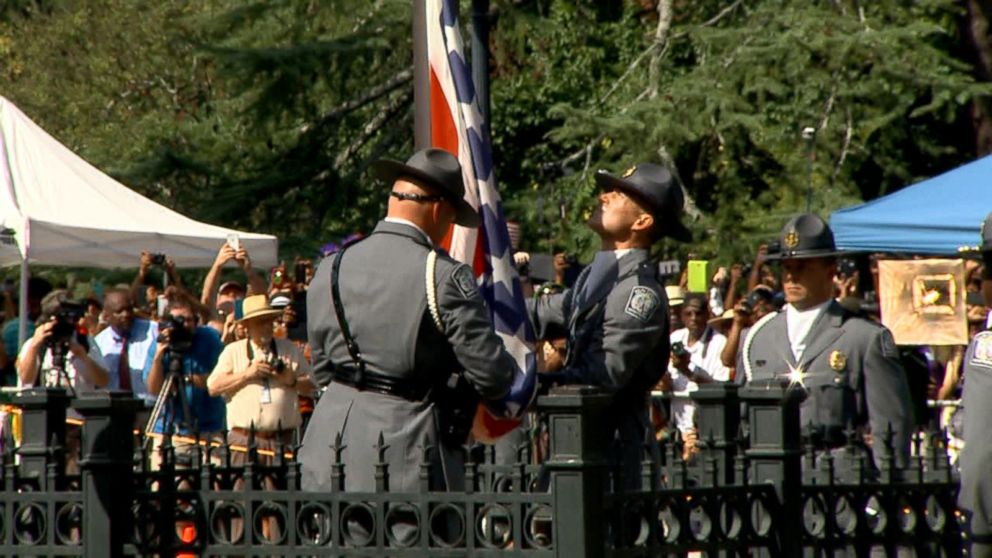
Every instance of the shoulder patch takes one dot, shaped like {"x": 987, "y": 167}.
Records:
{"x": 889, "y": 348}
{"x": 465, "y": 281}
{"x": 642, "y": 303}
{"x": 981, "y": 353}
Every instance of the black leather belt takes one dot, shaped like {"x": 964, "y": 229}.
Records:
{"x": 404, "y": 388}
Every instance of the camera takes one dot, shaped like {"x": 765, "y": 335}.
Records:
{"x": 846, "y": 267}
{"x": 66, "y": 318}
{"x": 277, "y": 364}
{"x": 180, "y": 338}
{"x": 678, "y": 349}
{"x": 746, "y": 269}
{"x": 158, "y": 259}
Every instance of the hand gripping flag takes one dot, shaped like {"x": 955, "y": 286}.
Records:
{"x": 457, "y": 125}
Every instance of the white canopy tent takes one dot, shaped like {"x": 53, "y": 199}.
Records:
{"x": 64, "y": 211}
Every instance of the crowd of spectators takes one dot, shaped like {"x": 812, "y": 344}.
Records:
{"x": 245, "y": 360}
{"x": 221, "y": 362}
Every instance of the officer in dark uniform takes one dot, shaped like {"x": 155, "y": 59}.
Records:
{"x": 617, "y": 313}
{"x": 389, "y": 320}
{"x": 849, "y": 365}
{"x": 975, "y": 496}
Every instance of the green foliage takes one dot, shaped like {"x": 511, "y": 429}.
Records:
{"x": 265, "y": 115}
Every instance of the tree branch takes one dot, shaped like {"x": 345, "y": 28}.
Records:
{"x": 660, "y": 40}
{"x": 373, "y": 127}
{"x": 373, "y": 94}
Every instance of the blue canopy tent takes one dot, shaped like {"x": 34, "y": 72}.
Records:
{"x": 936, "y": 216}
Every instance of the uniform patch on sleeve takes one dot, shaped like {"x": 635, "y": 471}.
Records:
{"x": 642, "y": 303}
{"x": 889, "y": 348}
{"x": 982, "y": 352}
{"x": 465, "y": 281}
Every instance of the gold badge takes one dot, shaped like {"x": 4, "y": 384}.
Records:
{"x": 791, "y": 239}
{"x": 838, "y": 361}
{"x": 629, "y": 172}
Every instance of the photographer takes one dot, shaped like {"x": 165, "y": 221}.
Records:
{"x": 55, "y": 357}
{"x": 695, "y": 360}
{"x": 758, "y": 303}
{"x": 138, "y": 286}
{"x": 260, "y": 379}
{"x": 221, "y": 300}
{"x": 197, "y": 349}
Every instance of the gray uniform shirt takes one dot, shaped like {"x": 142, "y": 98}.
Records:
{"x": 618, "y": 340}
{"x": 383, "y": 291}
{"x": 976, "y": 457}
{"x": 851, "y": 370}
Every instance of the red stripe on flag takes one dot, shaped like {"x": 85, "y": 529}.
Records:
{"x": 444, "y": 134}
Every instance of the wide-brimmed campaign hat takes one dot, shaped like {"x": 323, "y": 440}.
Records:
{"x": 436, "y": 169}
{"x": 257, "y": 306}
{"x": 805, "y": 236}
{"x": 654, "y": 185}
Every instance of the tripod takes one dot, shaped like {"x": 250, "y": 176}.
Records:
{"x": 60, "y": 350}
{"x": 173, "y": 389}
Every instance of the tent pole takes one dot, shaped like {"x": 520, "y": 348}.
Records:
{"x": 22, "y": 305}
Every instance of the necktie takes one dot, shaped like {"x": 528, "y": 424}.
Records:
{"x": 602, "y": 270}
{"x": 123, "y": 367}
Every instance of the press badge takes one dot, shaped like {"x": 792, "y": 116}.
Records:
{"x": 266, "y": 393}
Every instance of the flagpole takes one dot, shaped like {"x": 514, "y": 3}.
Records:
{"x": 421, "y": 78}
{"x": 480, "y": 55}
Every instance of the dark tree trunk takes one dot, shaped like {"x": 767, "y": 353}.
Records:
{"x": 976, "y": 28}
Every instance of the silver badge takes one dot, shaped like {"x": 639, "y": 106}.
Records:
{"x": 466, "y": 282}
{"x": 642, "y": 303}
{"x": 981, "y": 354}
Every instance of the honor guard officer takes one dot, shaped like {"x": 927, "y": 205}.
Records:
{"x": 617, "y": 313}
{"x": 849, "y": 365}
{"x": 390, "y": 319}
{"x": 975, "y": 496}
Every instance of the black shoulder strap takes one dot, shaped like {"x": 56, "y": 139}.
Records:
{"x": 353, "y": 350}
{"x": 273, "y": 350}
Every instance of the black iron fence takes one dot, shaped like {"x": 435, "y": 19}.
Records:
{"x": 755, "y": 487}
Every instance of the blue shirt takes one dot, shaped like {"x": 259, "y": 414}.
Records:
{"x": 10, "y": 340}
{"x": 106, "y": 351}
{"x": 200, "y": 359}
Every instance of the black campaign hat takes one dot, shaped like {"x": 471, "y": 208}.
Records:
{"x": 655, "y": 185}
{"x": 805, "y": 236}
{"x": 437, "y": 169}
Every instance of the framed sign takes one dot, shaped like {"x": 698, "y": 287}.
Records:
{"x": 923, "y": 301}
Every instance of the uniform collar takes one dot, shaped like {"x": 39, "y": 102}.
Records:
{"x": 402, "y": 227}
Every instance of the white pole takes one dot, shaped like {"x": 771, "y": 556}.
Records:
{"x": 22, "y": 330}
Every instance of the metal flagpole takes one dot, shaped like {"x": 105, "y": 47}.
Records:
{"x": 421, "y": 78}
{"x": 480, "y": 55}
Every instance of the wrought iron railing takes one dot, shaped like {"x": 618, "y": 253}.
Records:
{"x": 752, "y": 488}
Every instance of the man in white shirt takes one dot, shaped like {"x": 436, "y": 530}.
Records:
{"x": 695, "y": 360}
{"x": 124, "y": 347}
{"x": 73, "y": 369}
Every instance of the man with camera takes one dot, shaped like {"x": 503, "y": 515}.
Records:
{"x": 617, "y": 314}
{"x": 54, "y": 356}
{"x": 391, "y": 320}
{"x": 695, "y": 360}
{"x": 180, "y": 362}
{"x": 260, "y": 378}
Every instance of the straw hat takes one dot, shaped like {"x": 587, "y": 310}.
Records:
{"x": 257, "y": 306}
{"x": 726, "y": 316}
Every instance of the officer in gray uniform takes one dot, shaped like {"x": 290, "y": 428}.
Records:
{"x": 849, "y": 365}
{"x": 975, "y": 496}
{"x": 390, "y": 319}
{"x": 617, "y": 313}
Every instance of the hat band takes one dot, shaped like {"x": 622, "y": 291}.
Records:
{"x": 420, "y": 198}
